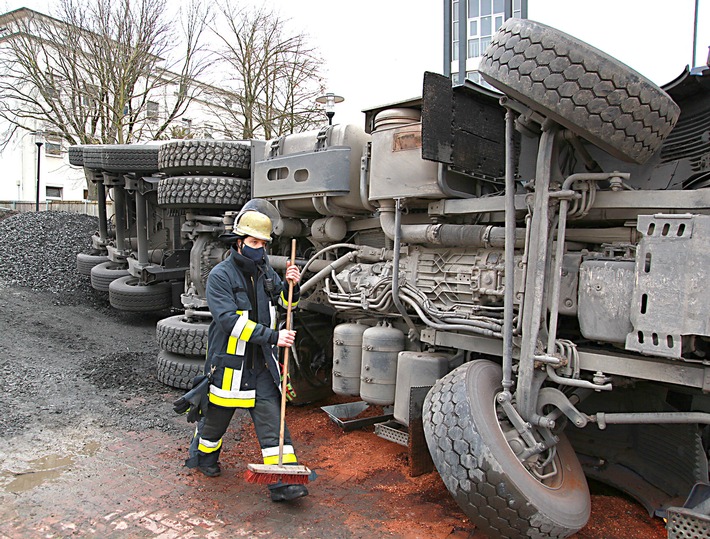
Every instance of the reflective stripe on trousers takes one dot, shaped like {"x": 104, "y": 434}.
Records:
{"x": 229, "y": 394}
{"x": 271, "y": 455}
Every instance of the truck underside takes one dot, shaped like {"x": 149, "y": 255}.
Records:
{"x": 524, "y": 272}
{"x": 540, "y": 258}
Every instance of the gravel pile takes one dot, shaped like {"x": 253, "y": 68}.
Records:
{"x": 38, "y": 249}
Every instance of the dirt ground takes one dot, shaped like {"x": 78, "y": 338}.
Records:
{"x": 92, "y": 448}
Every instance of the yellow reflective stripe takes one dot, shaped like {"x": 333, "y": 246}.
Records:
{"x": 227, "y": 378}
{"x": 271, "y": 455}
{"x": 230, "y": 402}
{"x": 241, "y": 332}
{"x": 287, "y": 459}
{"x": 283, "y": 301}
{"x": 271, "y": 451}
{"x": 239, "y": 326}
{"x": 248, "y": 330}
{"x": 209, "y": 447}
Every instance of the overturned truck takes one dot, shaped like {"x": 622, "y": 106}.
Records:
{"x": 538, "y": 260}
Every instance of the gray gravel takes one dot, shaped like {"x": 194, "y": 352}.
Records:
{"x": 38, "y": 250}
{"x": 67, "y": 358}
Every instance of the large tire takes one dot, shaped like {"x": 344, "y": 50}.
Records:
{"x": 85, "y": 262}
{"x": 206, "y": 157}
{"x": 580, "y": 87}
{"x": 102, "y": 275}
{"x": 311, "y": 365}
{"x": 128, "y": 294}
{"x": 141, "y": 158}
{"x": 93, "y": 157}
{"x": 481, "y": 471}
{"x": 178, "y": 371}
{"x": 208, "y": 192}
{"x": 76, "y": 155}
{"x": 178, "y": 335}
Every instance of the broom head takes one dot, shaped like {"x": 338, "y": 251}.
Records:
{"x": 266, "y": 474}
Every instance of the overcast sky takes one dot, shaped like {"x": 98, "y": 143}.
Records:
{"x": 376, "y": 51}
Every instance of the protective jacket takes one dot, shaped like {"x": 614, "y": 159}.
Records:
{"x": 242, "y": 337}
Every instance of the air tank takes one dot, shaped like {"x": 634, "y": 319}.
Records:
{"x": 347, "y": 358}
{"x": 416, "y": 369}
{"x": 380, "y": 346}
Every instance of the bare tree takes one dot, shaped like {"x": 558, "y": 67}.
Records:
{"x": 275, "y": 76}
{"x": 99, "y": 71}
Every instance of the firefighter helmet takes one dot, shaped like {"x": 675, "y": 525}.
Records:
{"x": 254, "y": 224}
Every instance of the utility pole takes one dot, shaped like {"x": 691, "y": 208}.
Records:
{"x": 39, "y": 154}
{"x": 695, "y": 33}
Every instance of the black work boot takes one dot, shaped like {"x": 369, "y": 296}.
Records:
{"x": 286, "y": 493}
{"x": 213, "y": 470}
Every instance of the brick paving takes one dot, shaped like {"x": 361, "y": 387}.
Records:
{"x": 133, "y": 485}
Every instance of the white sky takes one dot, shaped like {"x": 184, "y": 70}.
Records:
{"x": 376, "y": 51}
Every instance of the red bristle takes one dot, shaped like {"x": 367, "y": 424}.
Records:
{"x": 270, "y": 478}
{"x": 298, "y": 479}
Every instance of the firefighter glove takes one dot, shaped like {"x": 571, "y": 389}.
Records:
{"x": 290, "y": 392}
{"x": 194, "y": 402}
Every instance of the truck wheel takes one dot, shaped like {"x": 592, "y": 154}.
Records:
{"x": 209, "y": 192}
{"x": 312, "y": 357}
{"x": 76, "y": 155}
{"x": 93, "y": 156}
{"x": 580, "y": 87}
{"x": 102, "y": 275}
{"x": 178, "y": 371}
{"x": 131, "y": 158}
{"x": 178, "y": 335}
{"x": 491, "y": 485}
{"x": 128, "y": 294}
{"x": 85, "y": 262}
{"x": 206, "y": 157}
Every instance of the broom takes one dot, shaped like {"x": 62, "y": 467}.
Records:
{"x": 273, "y": 473}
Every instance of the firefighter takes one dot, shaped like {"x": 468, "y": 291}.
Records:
{"x": 242, "y": 355}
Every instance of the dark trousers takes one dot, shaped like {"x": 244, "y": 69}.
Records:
{"x": 265, "y": 414}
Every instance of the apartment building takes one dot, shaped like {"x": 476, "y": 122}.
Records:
{"x": 34, "y": 159}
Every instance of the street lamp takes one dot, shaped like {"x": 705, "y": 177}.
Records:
{"x": 38, "y": 142}
{"x": 329, "y": 100}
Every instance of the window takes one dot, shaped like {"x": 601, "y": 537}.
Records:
{"x": 473, "y": 8}
{"x": 52, "y": 145}
{"x": 89, "y": 96}
{"x": 86, "y": 194}
{"x": 485, "y": 17}
{"x": 51, "y": 93}
{"x": 152, "y": 111}
{"x": 455, "y": 30}
{"x": 53, "y": 192}
{"x": 473, "y": 48}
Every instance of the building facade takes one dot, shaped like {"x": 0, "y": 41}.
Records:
{"x": 34, "y": 159}
{"x": 469, "y": 26}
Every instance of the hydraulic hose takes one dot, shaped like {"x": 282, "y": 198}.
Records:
{"x": 442, "y": 234}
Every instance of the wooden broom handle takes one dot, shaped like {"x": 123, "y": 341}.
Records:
{"x": 284, "y": 372}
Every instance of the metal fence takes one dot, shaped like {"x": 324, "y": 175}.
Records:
{"x": 89, "y": 207}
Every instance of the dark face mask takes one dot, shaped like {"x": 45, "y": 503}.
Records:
{"x": 257, "y": 255}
